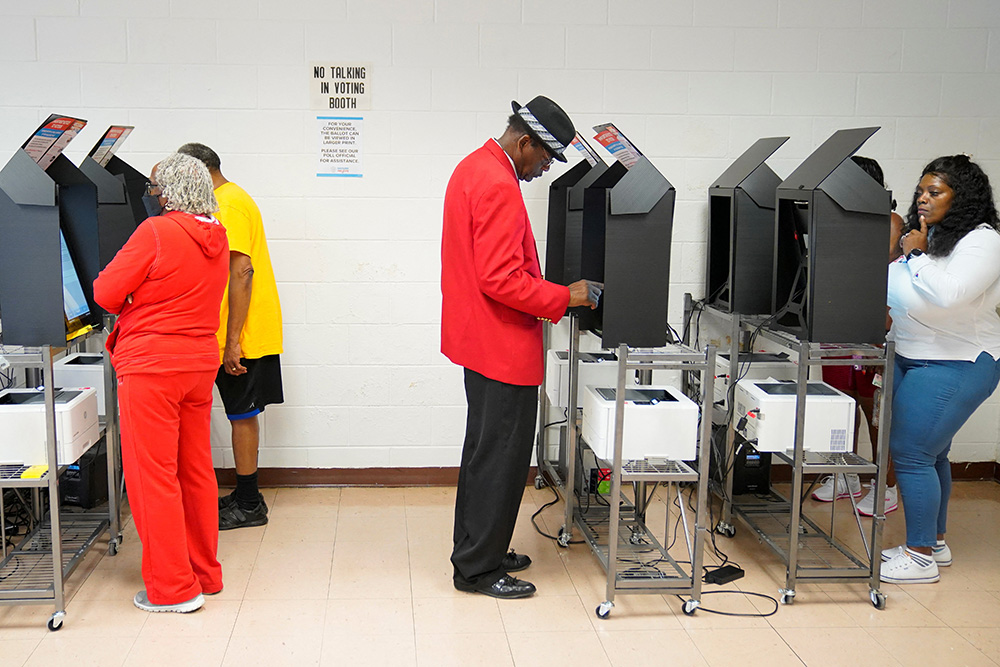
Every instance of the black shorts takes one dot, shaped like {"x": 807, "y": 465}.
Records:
{"x": 245, "y": 396}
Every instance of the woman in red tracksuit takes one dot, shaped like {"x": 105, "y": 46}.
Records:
{"x": 166, "y": 284}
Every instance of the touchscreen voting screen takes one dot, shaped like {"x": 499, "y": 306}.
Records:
{"x": 74, "y": 302}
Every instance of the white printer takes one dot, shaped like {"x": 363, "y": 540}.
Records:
{"x": 765, "y": 415}
{"x": 82, "y": 369}
{"x": 599, "y": 368}
{"x": 752, "y": 366}
{"x": 22, "y": 425}
{"x": 660, "y": 422}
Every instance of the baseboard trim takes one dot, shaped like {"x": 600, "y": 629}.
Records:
{"x": 351, "y": 476}
{"x": 969, "y": 471}
{"x": 982, "y": 470}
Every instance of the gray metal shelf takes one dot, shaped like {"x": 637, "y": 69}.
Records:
{"x": 641, "y": 564}
{"x": 820, "y": 556}
{"x": 653, "y": 470}
{"x": 635, "y": 562}
{"x": 819, "y": 463}
{"x": 10, "y": 476}
{"x": 810, "y": 553}
{"x": 28, "y": 574}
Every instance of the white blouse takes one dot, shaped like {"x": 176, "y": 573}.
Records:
{"x": 946, "y": 307}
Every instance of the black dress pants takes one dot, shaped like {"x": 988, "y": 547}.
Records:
{"x": 499, "y": 434}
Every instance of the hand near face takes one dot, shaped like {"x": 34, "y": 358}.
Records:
{"x": 916, "y": 238}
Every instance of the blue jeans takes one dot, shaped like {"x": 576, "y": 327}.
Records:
{"x": 931, "y": 401}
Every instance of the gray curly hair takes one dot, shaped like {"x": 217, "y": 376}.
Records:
{"x": 186, "y": 185}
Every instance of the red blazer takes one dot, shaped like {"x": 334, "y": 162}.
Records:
{"x": 491, "y": 284}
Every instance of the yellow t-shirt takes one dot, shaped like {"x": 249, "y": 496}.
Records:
{"x": 262, "y": 330}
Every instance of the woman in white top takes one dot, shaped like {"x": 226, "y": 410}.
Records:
{"x": 943, "y": 294}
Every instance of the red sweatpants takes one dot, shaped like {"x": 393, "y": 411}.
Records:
{"x": 172, "y": 490}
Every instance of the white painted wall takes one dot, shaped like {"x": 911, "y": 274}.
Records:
{"x": 693, "y": 83}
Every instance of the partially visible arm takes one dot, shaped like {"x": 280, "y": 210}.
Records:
{"x": 971, "y": 269}
{"x": 896, "y": 226}
{"x": 129, "y": 268}
{"x": 240, "y": 289}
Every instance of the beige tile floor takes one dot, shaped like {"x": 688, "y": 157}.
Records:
{"x": 360, "y": 576}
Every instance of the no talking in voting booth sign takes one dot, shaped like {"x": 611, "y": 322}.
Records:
{"x": 340, "y": 90}
{"x": 340, "y": 87}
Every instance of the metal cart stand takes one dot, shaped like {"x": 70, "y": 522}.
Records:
{"x": 810, "y": 553}
{"x": 634, "y": 560}
{"x": 27, "y": 572}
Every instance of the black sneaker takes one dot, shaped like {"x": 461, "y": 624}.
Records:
{"x": 233, "y": 516}
{"x": 230, "y": 499}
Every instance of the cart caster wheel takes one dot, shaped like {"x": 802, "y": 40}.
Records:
{"x": 112, "y": 548}
{"x": 690, "y": 606}
{"x": 540, "y": 482}
{"x": 787, "y": 597}
{"x": 878, "y": 599}
{"x": 56, "y": 622}
{"x": 564, "y": 538}
{"x": 604, "y": 609}
{"x": 725, "y": 529}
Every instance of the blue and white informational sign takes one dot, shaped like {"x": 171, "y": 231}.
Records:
{"x": 339, "y": 146}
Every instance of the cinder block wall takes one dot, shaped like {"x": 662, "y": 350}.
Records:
{"x": 692, "y": 82}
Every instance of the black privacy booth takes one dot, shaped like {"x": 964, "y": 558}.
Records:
{"x": 116, "y": 214}
{"x": 627, "y": 225}
{"x": 135, "y": 186}
{"x": 740, "y": 261}
{"x": 31, "y": 296}
{"x": 832, "y": 247}
{"x": 564, "y": 235}
{"x": 34, "y": 205}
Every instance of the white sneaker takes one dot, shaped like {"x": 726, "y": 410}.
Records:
{"x": 910, "y": 567}
{"x": 141, "y": 600}
{"x": 940, "y": 552}
{"x": 825, "y": 492}
{"x": 866, "y": 506}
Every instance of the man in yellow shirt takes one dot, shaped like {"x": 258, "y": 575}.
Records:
{"x": 250, "y": 342}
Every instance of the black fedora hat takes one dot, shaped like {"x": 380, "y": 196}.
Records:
{"x": 548, "y": 123}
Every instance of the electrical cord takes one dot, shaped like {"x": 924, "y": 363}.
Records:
{"x": 541, "y": 532}
{"x": 561, "y": 421}
{"x": 731, "y": 613}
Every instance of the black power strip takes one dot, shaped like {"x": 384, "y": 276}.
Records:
{"x": 723, "y": 575}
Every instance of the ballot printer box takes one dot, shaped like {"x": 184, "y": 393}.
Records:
{"x": 598, "y": 368}
{"x": 82, "y": 369}
{"x": 22, "y": 422}
{"x": 765, "y": 416}
{"x": 752, "y": 366}
{"x": 660, "y": 422}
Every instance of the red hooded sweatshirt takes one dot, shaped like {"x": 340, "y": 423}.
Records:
{"x": 175, "y": 267}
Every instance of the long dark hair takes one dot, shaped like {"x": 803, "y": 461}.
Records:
{"x": 873, "y": 169}
{"x": 971, "y": 204}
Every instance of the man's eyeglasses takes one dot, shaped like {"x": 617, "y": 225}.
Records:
{"x": 150, "y": 187}
{"x": 547, "y": 160}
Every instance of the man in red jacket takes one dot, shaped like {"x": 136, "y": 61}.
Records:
{"x": 493, "y": 303}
